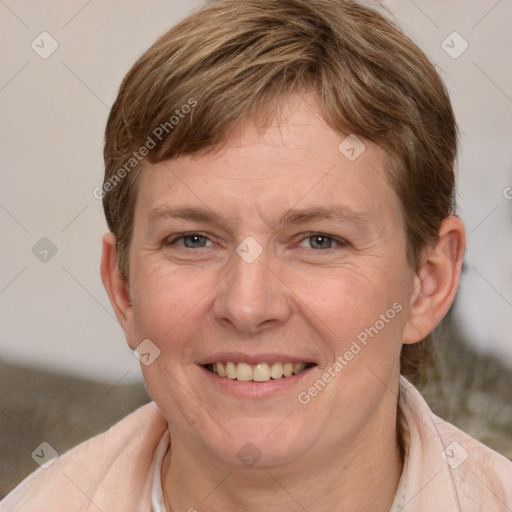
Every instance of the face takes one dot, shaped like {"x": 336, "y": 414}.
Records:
{"x": 271, "y": 255}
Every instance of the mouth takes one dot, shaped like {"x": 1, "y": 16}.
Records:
{"x": 260, "y": 372}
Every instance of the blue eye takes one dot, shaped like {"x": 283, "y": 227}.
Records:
{"x": 190, "y": 241}
{"x": 320, "y": 241}
{"x": 317, "y": 241}
{"x": 195, "y": 240}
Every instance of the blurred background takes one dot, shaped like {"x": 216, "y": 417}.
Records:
{"x": 66, "y": 372}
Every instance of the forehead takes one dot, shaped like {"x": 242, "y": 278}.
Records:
{"x": 297, "y": 162}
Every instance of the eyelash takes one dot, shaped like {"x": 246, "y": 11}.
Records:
{"x": 339, "y": 241}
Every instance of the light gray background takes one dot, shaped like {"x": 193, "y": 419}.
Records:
{"x": 53, "y": 111}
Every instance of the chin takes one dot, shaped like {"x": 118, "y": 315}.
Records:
{"x": 260, "y": 443}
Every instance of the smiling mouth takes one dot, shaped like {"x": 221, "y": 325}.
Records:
{"x": 261, "y": 372}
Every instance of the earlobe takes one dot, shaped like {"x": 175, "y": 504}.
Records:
{"x": 116, "y": 286}
{"x": 436, "y": 281}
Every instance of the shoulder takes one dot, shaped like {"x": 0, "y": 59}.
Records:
{"x": 111, "y": 470}
{"x": 452, "y": 467}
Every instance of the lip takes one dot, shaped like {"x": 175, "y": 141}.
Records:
{"x": 255, "y": 390}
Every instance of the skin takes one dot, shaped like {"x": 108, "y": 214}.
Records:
{"x": 299, "y": 298}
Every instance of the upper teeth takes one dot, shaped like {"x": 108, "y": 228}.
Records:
{"x": 260, "y": 372}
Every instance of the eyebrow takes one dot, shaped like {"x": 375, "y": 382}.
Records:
{"x": 292, "y": 216}
{"x": 342, "y": 214}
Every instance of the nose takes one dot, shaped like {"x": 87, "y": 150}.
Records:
{"x": 252, "y": 297}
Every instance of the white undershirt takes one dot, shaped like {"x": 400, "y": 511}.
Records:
{"x": 157, "y": 497}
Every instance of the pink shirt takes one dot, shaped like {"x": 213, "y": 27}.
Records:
{"x": 445, "y": 470}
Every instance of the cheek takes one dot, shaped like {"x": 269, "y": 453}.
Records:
{"x": 362, "y": 311}
{"x": 347, "y": 299}
{"x": 169, "y": 305}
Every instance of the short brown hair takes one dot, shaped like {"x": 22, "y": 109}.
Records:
{"x": 238, "y": 58}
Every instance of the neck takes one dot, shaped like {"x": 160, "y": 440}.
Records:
{"x": 361, "y": 475}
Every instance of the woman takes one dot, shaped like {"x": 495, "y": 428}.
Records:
{"x": 279, "y": 189}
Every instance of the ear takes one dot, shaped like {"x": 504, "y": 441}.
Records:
{"x": 116, "y": 286}
{"x": 436, "y": 281}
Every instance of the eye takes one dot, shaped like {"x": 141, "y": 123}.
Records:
{"x": 321, "y": 241}
{"x": 189, "y": 240}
